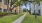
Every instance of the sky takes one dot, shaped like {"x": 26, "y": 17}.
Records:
{"x": 27, "y": 6}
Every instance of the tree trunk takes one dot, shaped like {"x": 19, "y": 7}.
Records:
{"x": 35, "y": 11}
{"x": 11, "y": 6}
{"x": 8, "y": 7}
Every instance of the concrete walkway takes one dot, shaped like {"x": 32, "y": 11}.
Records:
{"x": 19, "y": 20}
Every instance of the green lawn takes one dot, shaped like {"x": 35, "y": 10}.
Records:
{"x": 10, "y": 19}
{"x": 31, "y": 19}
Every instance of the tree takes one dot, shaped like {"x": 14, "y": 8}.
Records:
{"x": 24, "y": 10}
{"x": 38, "y": 2}
{"x": 12, "y": 3}
{"x": 17, "y": 3}
{"x": 7, "y": 5}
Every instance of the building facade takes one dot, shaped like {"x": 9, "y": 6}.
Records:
{"x": 36, "y": 8}
{"x": 3, "y": 7}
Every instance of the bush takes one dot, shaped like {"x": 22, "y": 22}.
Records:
{"x": 34, "y": 13}
{"x": 3, "y": 13}
{"x": 24, "y": 10}
{"x": 12, "y": 13}
{"x": 15, "y": 13}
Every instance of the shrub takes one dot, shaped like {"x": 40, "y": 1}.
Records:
{"x": 3, "y": 13}
{"x": 12, "y": 13}
{"x": 15, "y": 13}
{"x": 33, "y": 13}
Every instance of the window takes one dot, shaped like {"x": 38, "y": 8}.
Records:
{"x": 5, "y": 2}
{"x": 38, "y": 4}
{"x": 39, "y": 11}
{"x": 0, "y": 9}
{"x": 0, "y": 0}
{"x": 34, "y": 11}
{"x": 5, "y": 10}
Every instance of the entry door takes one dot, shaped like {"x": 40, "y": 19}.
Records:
{"x": 15, "y": 11}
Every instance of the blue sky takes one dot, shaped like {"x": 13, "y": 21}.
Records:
{"x": 27, "y": 6}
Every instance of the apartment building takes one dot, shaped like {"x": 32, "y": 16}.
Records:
{"x": 36, "y": 8}
{"x": 18, "y": 9}
{"x": 3, "y": 7}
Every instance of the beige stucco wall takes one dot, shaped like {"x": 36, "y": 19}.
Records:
{"x": 16, "y": 8}
{"x": 3, "y": 6}
{"x": 0, "y": 4}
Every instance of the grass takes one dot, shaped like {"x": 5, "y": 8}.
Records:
{"x": 10, "y": 19}
{"x": 31, "y": 19}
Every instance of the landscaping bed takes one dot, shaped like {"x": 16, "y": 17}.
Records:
{"x": 3, "y": 14}
{"x": 10, "y": 19}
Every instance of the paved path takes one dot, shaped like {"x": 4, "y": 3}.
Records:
{"x": 19, "y": 20}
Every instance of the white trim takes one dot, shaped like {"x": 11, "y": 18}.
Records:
{"x": 2, "y": 9}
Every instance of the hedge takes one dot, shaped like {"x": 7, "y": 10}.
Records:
{"x": 3, "y": 14}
